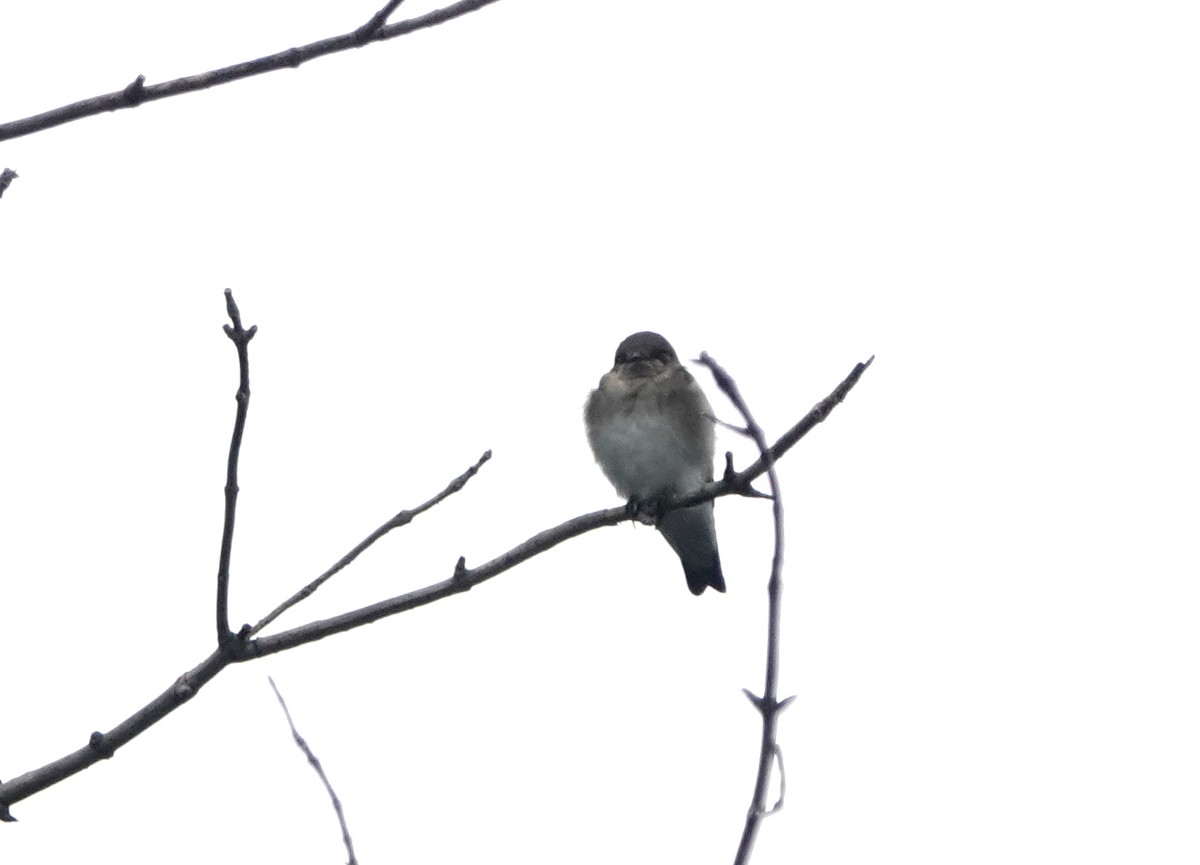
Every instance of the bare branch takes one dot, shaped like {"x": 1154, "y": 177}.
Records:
{"x": 462, "y": 580}
{"x": 401, "y": 519}
{"x": 316, "y": 764}
{"x": 768, "y": 706}
{"x": 241, "y": 648}
{"x": 138, "y": 92}
{"x": 241, "y": 338}
{"x": 103, "y": 745}
{"x": 363, "y": 34}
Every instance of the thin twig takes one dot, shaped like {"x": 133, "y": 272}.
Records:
{"x": 316, "y": 764}
{"x": 401, "y": 519}
{"x": 185, "y": 687}
{"x": 241, "y": 338}
{"x": 139, "y": 92}
{"x": 768, "y": 706}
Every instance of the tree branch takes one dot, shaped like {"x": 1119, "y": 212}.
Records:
{"x": 401, "y": 519}
{"x": 241, "y": 338}
{"x": 241, "y": 648}
{"x": 363, "y": 34}
{"x": 316, "y": 764}
{"x": 768, "y": 706}
{"x": 138, "y": 91}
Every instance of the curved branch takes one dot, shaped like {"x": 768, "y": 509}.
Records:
{"x": 768, "y": 705}
{"x": 138, "y": 91}
{"x": 316, "y": 764}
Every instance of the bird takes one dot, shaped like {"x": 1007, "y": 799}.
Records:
{"x": 650, "y": 428}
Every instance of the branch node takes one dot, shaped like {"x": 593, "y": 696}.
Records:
{"x": 745, "y": 487}
{"x": 98, "y": 743}
{"x": 753, "y": 698}
{"x": 730, "y": 472}
{"x": 6, "y": 177}
{"x": 135, "y": 91}
{"x": 364, "y": 34}
{"x": 462, "y": 573}
{"x": 234, "y": 645}
{"x": 6, "y": 815}
{"x": 183, "y": 689}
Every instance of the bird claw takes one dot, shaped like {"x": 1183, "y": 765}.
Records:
{"x": 642, "y": 510}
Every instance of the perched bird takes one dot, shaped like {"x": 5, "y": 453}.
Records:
{"x": 651, "y": 430}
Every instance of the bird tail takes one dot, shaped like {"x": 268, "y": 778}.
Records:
{"x": 692, "y": 533}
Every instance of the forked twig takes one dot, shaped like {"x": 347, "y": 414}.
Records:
{"x": 401, "y": 519}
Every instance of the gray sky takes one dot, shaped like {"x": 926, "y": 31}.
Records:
{"x": 991, "y": 570}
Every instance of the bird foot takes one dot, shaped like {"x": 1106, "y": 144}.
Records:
{"x": 645, "y": 510}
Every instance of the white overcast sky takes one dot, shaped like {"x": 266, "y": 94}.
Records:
{"x": 992, "y": 597}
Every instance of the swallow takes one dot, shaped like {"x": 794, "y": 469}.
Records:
{"x": 651, "y": 430}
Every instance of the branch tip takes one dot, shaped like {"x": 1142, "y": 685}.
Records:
{"x": 6, "y": 177}
{"x": 730, "y": 472}
{"x": 237, "y": 333}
